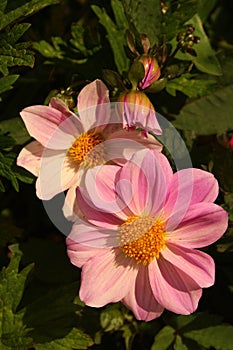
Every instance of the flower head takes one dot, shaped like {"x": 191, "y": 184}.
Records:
{"x": 152, "y": 71}
{"x": 67, "y": 145}
{"x": 137, "y": 242}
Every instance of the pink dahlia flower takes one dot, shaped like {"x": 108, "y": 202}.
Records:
{"x": 66, "y": 144}
{"x": 152, "y": 71}
{"x": 141, "y": 226}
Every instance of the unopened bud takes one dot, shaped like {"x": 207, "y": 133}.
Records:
{"x": 152, "y": 71}
{"x": 137, "y": 112}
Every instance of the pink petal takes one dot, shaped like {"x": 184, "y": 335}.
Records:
{"x": 94, "y": 215}
{"x": 56, "y": 174}
{"x": 70, "y": 209}
{"x": 79, "y": 254}
{"x": 189, "y": 186}
{"x": 60, "y": 106}
{"x": 203, "y": 224}
{"x": 100, "y": 190}
{"x": 92, "y": 95}
{"x": 50, "y": 127}
{"x": 197, "y": 265}
{"x": 106, "y": 278}
{"x": 93, "y": 236}
{"x": 173, "y": 288}
{"x": 140, "y": 298}
{"x": 147, "y": 173}
{"x": 30, "y": 157}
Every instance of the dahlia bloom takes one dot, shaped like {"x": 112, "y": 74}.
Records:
{"x": 152, "y": 71}
{"x": 66, "y": 144}
{"x": 138, "y": 237}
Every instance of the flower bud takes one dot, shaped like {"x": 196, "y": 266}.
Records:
{"x": 137, "y": 112}
{"x": 152, "y": 71}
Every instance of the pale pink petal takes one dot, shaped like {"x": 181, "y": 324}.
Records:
{"x": 147, "y": 174}
{"x": 106, "y": 278}
{"x": 140, "y": 298}
{"x": 30, "y": 157}
{"x": 197, "y": 265}
{"x": 100, "y": 190}
{"x": 70, "y": 209}
{"x": 60, "y": 105}
{"x": 79, "y": 254}
{"x": 50, "y": 126}
{"x": 56, "y": 174}
{"x": 93, "y": 236}
{"x": 173, "y": 288}
{"x": 92, "y": 95}
{"x": 203, "y": 224}
{"x": 95, "y": 216}
{"x": 189, "y": 186}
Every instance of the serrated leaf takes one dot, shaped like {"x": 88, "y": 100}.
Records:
{"x": 164, "y": 338}
{"x": 190, "y": 86}
{"x": 146, "y": 17}
{"x": 211, "y": 114}
{"x": 13, "y": 333}
{"x": 6, "y": 141}
{"x": 12, "y": 53}
{"x": 25, "y": 10}
{"x": 116, "y": 32}
{"x": 48, "y": 50}
{"x": 206, "y": 60}
{"x": 220, "y": 337}
{"x": 7, "y": 82}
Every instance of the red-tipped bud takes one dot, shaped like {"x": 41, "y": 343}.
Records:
{"x": 152, "y": 71}
{"x": 230, "y": 142}
{"x": 136, "y": 111}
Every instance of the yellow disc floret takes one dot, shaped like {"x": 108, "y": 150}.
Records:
{"x": 142, "y": 238}
{"x": 85, "y": 152}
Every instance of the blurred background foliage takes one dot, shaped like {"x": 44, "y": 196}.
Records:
{"x": 53, "y": 48}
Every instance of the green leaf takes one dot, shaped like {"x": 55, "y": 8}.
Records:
{"x": 206, "y": 60}
{"x": 13, "y": 332}
{"x": 111, "y": 319}
{"x": 228, "y": 199}
{"x": 190, "y": 85}
{"x": 16, "y": 128}
{"x": 220, "y": 337}
{"x": 178, "y": 12}
{"x": 25, "y": 10}
{"x": 179, "y": 345}
{"x": 6, "y": 171}
{"x": 146, "y": 17}
{"x": 6, "y": 83}
{"x": 54, "y": 318}
{"x": 211, "y": 114}
{"x": 48, "y": 50}
{"x": 205, "y": 7}
{"x": 164, "y": 338}
{"x": 12, "y": 53}
{"x": 116, "y": 32}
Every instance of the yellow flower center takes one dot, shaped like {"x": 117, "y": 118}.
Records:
{"x": 84, "y": 150}
{"x": 142, "y": 238}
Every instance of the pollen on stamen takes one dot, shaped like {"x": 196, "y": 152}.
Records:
{"x": 142, "y": 238}
{"x": 87, "y": 151}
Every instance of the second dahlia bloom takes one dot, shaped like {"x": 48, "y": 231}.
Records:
{"x": 139, "y": 237}
{"x": 68, "y": 144}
